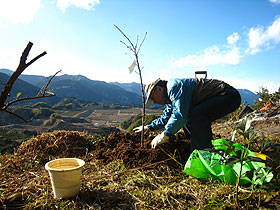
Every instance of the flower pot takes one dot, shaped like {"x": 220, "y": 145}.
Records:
{"x": 65, "y": 175}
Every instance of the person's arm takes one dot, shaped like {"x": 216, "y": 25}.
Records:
{"x": 162, "y": 120}
{"x": 180, "y": 94}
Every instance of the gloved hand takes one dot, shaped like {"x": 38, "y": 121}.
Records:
{"x": 139, "y": 129}
{"x": 159, "y": 139}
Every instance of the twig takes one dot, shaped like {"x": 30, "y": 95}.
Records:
{"x": 135, "y": 52}
{"x": 124, "y": 36}
{"x": 171, "y": 157}
{"x": 8, "y": 85}
{"x": 43, "y": 90}
{"x": 16, "y": 115}
{"x": 142, "y": 43}
{"x": 25, "y": 99}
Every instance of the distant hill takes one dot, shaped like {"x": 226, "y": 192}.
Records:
{"x": 97, "y": 91}
{"x": 80, "y": 87}
{"x": 35, "y": 80}
{"x": 131, "y": 87}
{"x": 19, "y": 86}
{"x": 92, "y": 90}
{"x": 248, "y": 96}
{"x": 26, "y": 89}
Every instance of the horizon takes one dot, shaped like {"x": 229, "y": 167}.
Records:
{"x": 234, "y": 41}
{"x": 138, "y": 83}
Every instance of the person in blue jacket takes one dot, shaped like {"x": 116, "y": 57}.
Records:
{"x": 191, "y": 104}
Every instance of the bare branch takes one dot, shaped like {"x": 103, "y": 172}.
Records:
{"x": 25, "y": 99}
{"x": 125, "y": 36}
{"x": 44, "y": 89}
{"x": 8, "y": 85}
{"x": 135, "y": 52}
{"x": 36, "y": 58}
{"x": 12, "y": 113}
{"x": 21, "y": 67}
{"x": 129, "y": 47}
{"x": 41, "y": 94}
{"x": 142, "y": 43}
{"x": 137, "y": 38}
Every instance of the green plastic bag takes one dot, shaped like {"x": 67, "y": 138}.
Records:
{"x": 205, "y": 164}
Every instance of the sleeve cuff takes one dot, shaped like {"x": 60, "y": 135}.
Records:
{"x": 166, "y": 133}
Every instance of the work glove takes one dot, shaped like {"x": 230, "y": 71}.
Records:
{"x": 139, "y": 129}
{"x": 159, "y": 139}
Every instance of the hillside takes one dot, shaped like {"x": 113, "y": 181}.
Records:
{"x": 19, "y": 86}
{"x": 26, "y": 89}
{"x": 247, "y": 96}
{"x": 78, "y": 87}
{"x": 119, "y": 174}
{"x": 99, "y": 91}
{"x": 93, "y": 91}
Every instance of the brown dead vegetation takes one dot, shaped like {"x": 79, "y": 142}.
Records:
{"x": 119, "y": 174}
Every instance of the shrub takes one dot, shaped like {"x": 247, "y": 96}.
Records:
{"x": 41, "y": 104}
{"x": 54, "y": 117}
{"x": 136, "y": 121}
{"x": 42, "y": 112}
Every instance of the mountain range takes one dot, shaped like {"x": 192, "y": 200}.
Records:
{"x": 80, "y": 87}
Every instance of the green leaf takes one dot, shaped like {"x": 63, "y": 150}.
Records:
{"x": 232, "y": 160}
{"x": 255, "y": 159}
{"x": 18, "y": 94}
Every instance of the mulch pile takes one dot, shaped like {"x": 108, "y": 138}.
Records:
{"x": 22, "y": 174}
{"x": 56, "y": 144}
{"x": 23, "y": 179}
{"x": 127, "y": 146}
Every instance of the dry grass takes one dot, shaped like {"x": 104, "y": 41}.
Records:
{"x": 25, "y": 184}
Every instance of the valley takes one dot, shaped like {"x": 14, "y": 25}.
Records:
{"x": 68, "y": 114}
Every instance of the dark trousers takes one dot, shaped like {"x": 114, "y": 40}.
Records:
{"x": 208, "y": 111}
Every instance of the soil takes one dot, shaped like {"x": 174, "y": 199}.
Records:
{"x": 34, "y": 153}
{"x": 127, "y": 146}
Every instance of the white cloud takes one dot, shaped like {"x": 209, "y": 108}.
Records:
{"x": 260, "y": 38}
{"x": 275, "y": 1}
{"x": 17, "y": 11}
{"x": 84, "y": 4}
{"x": 232, "y": 39}
{"x": 214, "y": 55}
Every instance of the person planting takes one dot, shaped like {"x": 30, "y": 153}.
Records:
{"x": 191, "y": 104}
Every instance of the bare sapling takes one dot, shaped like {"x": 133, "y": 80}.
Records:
{"x": 135, "y": 50}
{"x": 5, "y": 93}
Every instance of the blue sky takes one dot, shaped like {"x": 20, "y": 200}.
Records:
{"x": 237, "y": 41}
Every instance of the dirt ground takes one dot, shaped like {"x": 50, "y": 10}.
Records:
{"x": 34, "y": 153}
{"x": 127, "y": 146}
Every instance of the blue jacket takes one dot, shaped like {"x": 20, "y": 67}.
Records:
{"x": 175, "y": 115}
